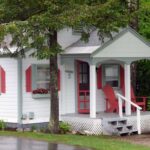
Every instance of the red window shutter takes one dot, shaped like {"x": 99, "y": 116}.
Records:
{"x": 3, "y": 81}
{"x": 28, "y": 79}
{"x": 58, "y": 79}
{"x": 99, "y": 77}
{"x": 121, "y": 77}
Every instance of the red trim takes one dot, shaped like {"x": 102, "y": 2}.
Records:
{"x": 121, "y": 77}
{"x": 85, "y": 93}
{"x": 3, "y": 81}
{"x": 28, "y": 79}
{"x": 99, "y": 77}
{"x": 58, "y": 79}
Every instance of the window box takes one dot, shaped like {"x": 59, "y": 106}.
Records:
{"x": 40, "y": 96}
{"x": 40, "y": 93}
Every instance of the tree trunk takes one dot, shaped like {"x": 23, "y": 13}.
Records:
{"x": 54, "y": 102}
{"x": 133, "y": 7}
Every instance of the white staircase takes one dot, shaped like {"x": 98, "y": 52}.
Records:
{"x": 118, "y": 126}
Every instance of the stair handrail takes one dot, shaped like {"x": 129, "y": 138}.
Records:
{"x": 138, "y": 110}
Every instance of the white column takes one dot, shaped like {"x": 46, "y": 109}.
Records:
{"x": 92, "y": 91}
{"x": 62, "y": 90}
{"x": 128, "y": 88}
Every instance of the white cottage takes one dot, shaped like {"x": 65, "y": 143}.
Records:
{"x": 85, "y": 68}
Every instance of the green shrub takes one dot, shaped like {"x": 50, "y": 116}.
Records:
{"x": 33, "y": 128}
{"x": 148, "y": 104}
{"x": 2, "y": 125}
{"x": 64, "y": 127}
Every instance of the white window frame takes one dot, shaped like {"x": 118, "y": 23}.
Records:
{"x": 34, "y": 81}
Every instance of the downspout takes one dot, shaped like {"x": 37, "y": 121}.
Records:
{"x": 0, "y": 81}
{"x": 20, "y": 97}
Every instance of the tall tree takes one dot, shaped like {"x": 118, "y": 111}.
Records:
{"x": 144, "y": 19}
{"x": 133, "y": 7}
{"x": 143, "y": 66}
{"x": 34, "y": 24}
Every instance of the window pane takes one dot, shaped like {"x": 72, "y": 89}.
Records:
{"x": 81, "y": 105}
{"x": 113, "y": 83}
{"x": 42, "y": 73}
{"x": 111, "y": 75}
{"x": 85, "y": 68}
{"x": 43, "y": 76}
{"x": 80, "y": 80}
{"x": 111, "y": 71}
{"x": 42, "y": 85}
{"x": 80, "y": 68}
{"x": 85, "y": 78}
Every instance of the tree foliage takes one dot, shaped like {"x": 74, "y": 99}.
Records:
{"x": 144, "y": 18}
{"x": 143, "y": 66}
{"x": 35, "y": 23}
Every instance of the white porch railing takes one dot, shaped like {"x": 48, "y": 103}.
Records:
{"x": 121, "y": 98}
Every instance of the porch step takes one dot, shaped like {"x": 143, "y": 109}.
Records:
{"x": 117, "y": 126}
{"x": 129, "y": 127}
{"x": 113, "y": 122}
{"x": 122, "y": 122}
{"x": 124, "y": 133}
{"x": 134, "y": 132}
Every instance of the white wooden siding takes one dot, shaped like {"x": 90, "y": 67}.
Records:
{"x": 69, "y": 98}
{"x": 8, "y": 100}
{"x": 40, "y": 107}
{"x": 100, "y": 101}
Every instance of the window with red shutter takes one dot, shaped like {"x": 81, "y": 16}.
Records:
{"x": 37, "y": 77}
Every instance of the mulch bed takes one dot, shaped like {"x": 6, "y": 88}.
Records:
{"x": 143, "y": 139}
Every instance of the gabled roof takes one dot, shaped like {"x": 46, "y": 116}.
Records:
{"x": 81, "y": 47}
{"x": 126, "y": 43}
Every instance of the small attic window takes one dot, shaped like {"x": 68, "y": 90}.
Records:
{"x": 77, "y": 30}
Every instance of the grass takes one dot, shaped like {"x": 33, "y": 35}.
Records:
{"x": 93, "y": 142}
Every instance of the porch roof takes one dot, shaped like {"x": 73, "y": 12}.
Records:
{"x": 126, "y": 43}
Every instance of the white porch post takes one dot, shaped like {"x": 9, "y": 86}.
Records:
{"x": 127, "y": 88}
{"x": 62, "y": 93}
{"x": 92, "y": 91}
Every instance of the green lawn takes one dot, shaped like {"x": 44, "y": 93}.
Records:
{"x": 94, "y": 142}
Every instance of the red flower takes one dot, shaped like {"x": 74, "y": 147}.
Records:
{"x": 40, "y": 91}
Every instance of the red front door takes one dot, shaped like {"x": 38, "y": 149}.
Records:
{"x": 83, "y": 87}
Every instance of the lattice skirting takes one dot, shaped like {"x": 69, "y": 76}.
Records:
{"x": 145, "y": 123}
{"x": 93, "y": 126}
{"x": 97, "y": 127}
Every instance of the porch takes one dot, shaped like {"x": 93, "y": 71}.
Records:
{"x": 86, "y": 69}
{"x": 98, "y": 125}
